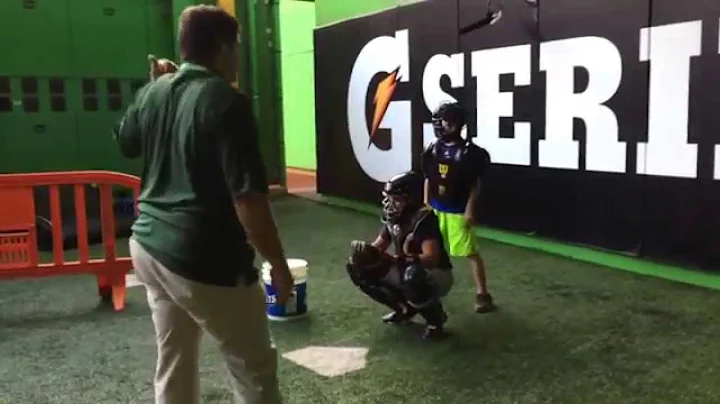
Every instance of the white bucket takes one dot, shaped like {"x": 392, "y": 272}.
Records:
{"x": 296, "y": 306}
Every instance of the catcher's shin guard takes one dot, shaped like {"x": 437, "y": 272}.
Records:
{"x": 418, "y": 287}
{"x": 375, "y": 288}
{"x": 434, "y": 314}
{"x": 421, "y": 294}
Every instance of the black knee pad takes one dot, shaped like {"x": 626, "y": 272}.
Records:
{"x": 417, "y": 286}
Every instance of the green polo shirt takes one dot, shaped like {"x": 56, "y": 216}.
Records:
{"x": 198, "y": 139}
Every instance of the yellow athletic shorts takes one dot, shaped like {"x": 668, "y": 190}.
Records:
{"x": 459, "y": 239}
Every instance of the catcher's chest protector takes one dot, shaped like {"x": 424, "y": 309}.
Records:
{"x": 401, "y": 231}
{"x": 449, "y": 164}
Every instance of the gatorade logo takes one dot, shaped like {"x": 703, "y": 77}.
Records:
{"x": 388, "y": 56}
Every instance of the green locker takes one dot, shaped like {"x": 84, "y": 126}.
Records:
{"x": 105, "y": 42}
{"x": 35, "y": 38}
{"x": 276, "y": 55}
{"x": 268, "y": 110}
{"x": 39, "y": 142}
{"x": 161, "y": 41}
{"x": 103, "y": 103}
{"x": 6, "y": 110}
{"x": 40, "y": 134}
{"x": 109, "y": 38}
{"x": 245, "y": 58}
{"x": 129, "y": 88}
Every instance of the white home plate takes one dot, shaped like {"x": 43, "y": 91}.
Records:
{"x": 327, "y": 361}
{"x": 131, "y": 281}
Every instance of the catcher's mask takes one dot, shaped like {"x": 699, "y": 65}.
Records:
{"x": 448, "y": 120}
{"x": 400, "y": 196}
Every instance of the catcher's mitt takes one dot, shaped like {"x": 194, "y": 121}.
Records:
{"x": 365, "y": 257}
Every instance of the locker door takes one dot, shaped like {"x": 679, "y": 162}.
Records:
{"x": 161, "y": 40}
{"x": 40, "y": 135}
{"x": 35, "y": 38}
{"x": 102, "y": 106}
{"x": 265, "y": 85}
{"x": 6, "y": 110}
{"x": 109, "y": 37}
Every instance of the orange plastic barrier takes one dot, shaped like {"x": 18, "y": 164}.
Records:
{"x": 19, "y": 255}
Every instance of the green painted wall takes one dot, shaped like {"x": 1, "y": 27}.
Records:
{"x": 332, "y": 11}
{"x": 297, "y": 21}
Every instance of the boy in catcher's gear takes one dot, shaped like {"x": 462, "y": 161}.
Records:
{"x": 413, "y": 280}
{"x": 453, "y": 168}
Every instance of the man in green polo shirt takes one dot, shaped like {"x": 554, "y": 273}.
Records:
{"x": 203, "y": 202}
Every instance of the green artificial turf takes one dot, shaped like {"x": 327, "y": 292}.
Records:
{"x": 582, "y": 253}
{"x": 567, "y": 332}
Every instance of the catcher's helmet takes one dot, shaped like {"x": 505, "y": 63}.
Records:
{"x": 449, "y": 119}
{"x": 401, "y": 194}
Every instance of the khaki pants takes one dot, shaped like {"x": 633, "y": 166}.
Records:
{"x": 234, "y": 317}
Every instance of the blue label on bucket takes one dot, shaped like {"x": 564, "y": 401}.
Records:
{"x": 296, "y": 305}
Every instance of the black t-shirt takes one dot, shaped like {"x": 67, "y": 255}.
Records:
{"x": 423, "y": 226}
{"x": 452, "y": 170}
{"x": 198, "y": 139}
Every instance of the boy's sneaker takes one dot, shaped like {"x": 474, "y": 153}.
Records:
{"x": 484, "y": 303}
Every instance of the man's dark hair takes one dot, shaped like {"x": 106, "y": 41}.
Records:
{"x": 203, "y": 30}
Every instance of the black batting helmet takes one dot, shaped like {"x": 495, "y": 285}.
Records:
{"x": 451, "y": 112}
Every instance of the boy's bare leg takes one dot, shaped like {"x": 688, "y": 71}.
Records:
{"x": 483, "y": 300}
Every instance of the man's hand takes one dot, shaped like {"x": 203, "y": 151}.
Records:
{"x": 159, "y": 67}
{"x": 282, "y": 281}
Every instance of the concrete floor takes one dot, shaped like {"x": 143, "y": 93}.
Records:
{"x": 300, "y": 181}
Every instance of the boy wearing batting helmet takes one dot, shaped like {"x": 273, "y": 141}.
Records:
{"x": 453, "y": 168}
